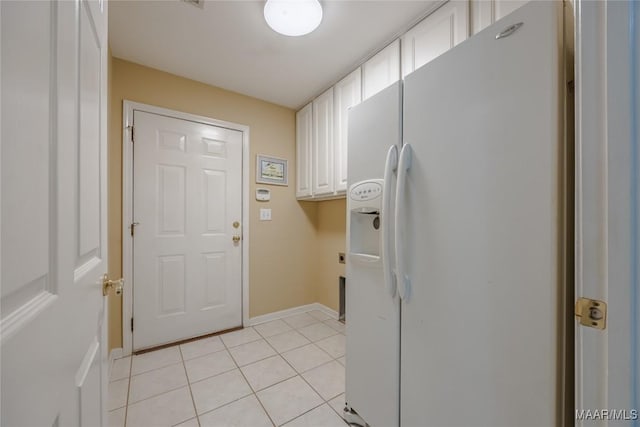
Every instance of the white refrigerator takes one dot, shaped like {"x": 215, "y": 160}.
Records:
{"x": 457, "y": 241}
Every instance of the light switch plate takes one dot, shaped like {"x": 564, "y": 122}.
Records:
{"x": 265, "y": 214}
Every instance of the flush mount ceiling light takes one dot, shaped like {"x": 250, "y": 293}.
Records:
{"x": 293, "y": 17}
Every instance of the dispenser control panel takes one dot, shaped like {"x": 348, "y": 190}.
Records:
{"x": 367, "y": 190}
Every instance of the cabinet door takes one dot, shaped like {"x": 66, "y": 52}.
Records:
{"x": 436, "y": 34}
{"x": 382, "y": 70}
{"x": 347, "y": 93}
{"x": 304, "y": 126}
{"x": 322, "y": 144}
{"x": 485, "y": 12}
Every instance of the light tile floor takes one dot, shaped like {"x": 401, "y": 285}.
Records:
{"x": 286, "y": 372}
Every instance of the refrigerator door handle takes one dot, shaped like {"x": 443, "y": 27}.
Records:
{"x": 390, "y": 166}
{"x": 400, "y": 227}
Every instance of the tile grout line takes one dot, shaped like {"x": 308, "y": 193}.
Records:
{"x": 299, "y": 374}
{"x": 159, "y": 394}
{"x": 304, "y": 379}
{"x": 193, "y": 401}
{"x": 237, "y": 366}
{"x": 126, "y": 406}
{"x": 289, "y": 349}
{"x": 247, "y": 381}
{"x": 304, "y": 413}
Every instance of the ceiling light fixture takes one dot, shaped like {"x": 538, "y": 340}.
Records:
{"x": 293, "y": 17}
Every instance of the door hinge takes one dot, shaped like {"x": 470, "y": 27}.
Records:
{"x": 131, "y": 129}
{"x": 132, "y": 324}
{"x": 592, "y": 313}
{"x": 133, "y": 227}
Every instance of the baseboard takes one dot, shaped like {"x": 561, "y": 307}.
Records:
{"x": 115, "y": 353}
{"x": 290, "y": 312}
{"x": 328, "y": 311}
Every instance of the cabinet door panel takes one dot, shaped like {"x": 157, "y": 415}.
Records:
{"x": 486, "y": 12}
{"x": 382, "y": 70}
{"x": 436, "y": 34}
{"x": 322, "y": 143}
{"x": 304, "y": 126}
{"x": 347, "y": 93}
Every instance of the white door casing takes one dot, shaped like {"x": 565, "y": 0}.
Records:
{"x": 54, "y": 252}
{"x": 607, "y": 218}
{"x": 176, "y": 131}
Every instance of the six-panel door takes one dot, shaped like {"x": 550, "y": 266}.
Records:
{"x": 187, "y": 197}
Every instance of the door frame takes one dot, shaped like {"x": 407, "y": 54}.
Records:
{"x": 607, "y": 205}
{"x": 128, "y": 108}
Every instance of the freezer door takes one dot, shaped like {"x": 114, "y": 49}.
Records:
{"x": 372, "y": 311}
{"x": 484, "y": 214}
{"x": 374, "y": 125}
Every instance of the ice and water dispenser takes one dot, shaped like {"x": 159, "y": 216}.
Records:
{"x": 364, "y": 206}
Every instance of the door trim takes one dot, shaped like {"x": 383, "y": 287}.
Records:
{"x": 607, "y": 205}
{"x": 128, "y": 108}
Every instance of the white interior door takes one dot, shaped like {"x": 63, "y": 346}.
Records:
{"x": 187, "y": 203}
{"x": 53, "y": 212}
{"x": 607, "y": 211}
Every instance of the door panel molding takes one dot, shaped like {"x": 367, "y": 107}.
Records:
{"x": 29, "y": 270}
{"x": 127, "y": 205}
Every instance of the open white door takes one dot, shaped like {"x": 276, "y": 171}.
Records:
{"x": 54, "y": 252}
{"x": 607, "y": 163}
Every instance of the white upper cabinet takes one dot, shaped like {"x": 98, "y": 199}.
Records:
{"x": 322, "y": 126}
{"x": 347, "y": 93}
{"x": 322, "y": 145}
{"x": 486, "y": 13}
{"x": 382, "y": 70}
{"x": 304, "y": 127}
{"x": 436, "y": 34}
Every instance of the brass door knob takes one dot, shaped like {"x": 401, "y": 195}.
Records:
{"x": 236, "y": 239}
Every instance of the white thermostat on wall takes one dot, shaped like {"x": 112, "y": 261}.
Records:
{"x": 263, "y": 194}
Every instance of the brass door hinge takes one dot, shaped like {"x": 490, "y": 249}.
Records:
{"x": 592, "y": 313}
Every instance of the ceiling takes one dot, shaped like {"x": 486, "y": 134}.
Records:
{"x": 228, "y": 43}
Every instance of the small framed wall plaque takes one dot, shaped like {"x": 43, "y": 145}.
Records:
{"x": 271, "y": 170}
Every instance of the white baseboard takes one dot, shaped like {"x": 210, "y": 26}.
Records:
{"x": 116, "y": 353}
{"x": 328, "y": 311}
{"x": 290, "y": 312}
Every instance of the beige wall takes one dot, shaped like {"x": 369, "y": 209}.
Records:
{"x": 330, "y": 235}
{"x": 282, "y": 267}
